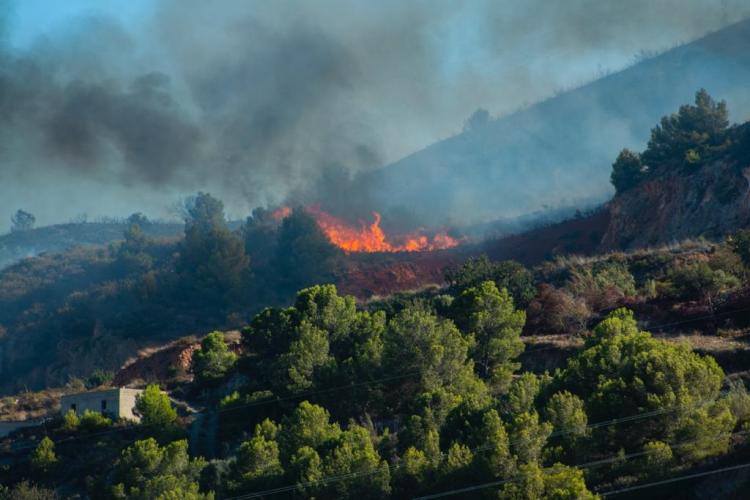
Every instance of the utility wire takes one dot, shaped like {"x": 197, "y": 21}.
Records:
{"x": 675, "y": 479}
{"x": 251, "y": 404}
{"x": 394, "y": 467}
{"x": 321, "y": 391}
{"x": 586, "y": 465}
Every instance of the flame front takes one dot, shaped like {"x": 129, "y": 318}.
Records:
{"x": 371, "y": 238}
{"x": 281, "y": 213}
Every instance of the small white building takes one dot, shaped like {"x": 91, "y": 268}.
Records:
{"x": 116, "y": 403}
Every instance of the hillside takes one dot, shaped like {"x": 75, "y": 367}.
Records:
{"x": 552, "y": 304}
{"x": 60, "y": 313}
{"x": 397, "y": 397}
{"x": 559, "y": 152}
{"x": 447, "y": 361}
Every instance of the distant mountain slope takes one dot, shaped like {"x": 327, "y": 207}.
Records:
{"x": 561, "y": 150}
{"x": 61, "y": 237}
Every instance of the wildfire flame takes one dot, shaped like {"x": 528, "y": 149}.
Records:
{"x": 372, "y": 238}
{"x": 281, "y": 213}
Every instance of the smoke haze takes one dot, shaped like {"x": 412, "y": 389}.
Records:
{"x": 259, "y": 102}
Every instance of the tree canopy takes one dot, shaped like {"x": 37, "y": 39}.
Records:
{"x": 155, "y": 408}
{"x": 22, "y": 221}
{"x": 688, "y": 134}
{"x": 214, "y": 359}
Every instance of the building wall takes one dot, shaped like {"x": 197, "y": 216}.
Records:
{"x": 118, "y": 403}
{"x": 127, "y": 403}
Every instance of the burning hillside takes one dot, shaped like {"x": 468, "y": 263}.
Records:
{"x": 371, "y": 237}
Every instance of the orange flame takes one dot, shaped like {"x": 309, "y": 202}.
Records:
{"x": 281, "y": 213}
{"x": 371, "y": 238}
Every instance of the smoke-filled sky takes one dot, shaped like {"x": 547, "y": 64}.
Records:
{"x": 107, "y": 108}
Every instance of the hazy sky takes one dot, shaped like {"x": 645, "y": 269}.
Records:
{"x": 110, "y": 107}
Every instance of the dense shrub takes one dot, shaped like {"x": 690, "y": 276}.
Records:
{"x": 604, "y": 285}
{"x": 627, "y": 171}
{"x": 507, "y": 274}
{"x": 699, "y": 281}
{"x": 92, "y": 421}
{"x": 624, "y": 371}
{"x": 556, "y": 310}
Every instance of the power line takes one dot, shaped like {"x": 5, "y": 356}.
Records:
{"x": 316, "y": 392}
{"x": 394, "y": 467}
{"x": 329, "y": 390}
{"x": 135, "y": 428}
{"x": 252, "y": 404}
{"x": 675, "y": 479}
{"x": 586, "y": 465}
{"x": 700, "y": 318}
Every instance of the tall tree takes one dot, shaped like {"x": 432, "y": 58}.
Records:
{"x": 146, "y": 470}
{"x": 627, "y": 171}
{"x": 22, "y": 221}
{"x": 418, "y": 342}
{"x": 489, "y": 315}
{"x": 304, "y": 256}
{"x": 689, "y": 134}
{"x": 212, "y": 258}
{"x": 155, "y": 409}
{"x": 214, "y": 359}
{"x": 624, "y": 371}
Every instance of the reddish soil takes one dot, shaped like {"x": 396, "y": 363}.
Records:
{"x": 156, "y": 365}
{"x": 368, "y": 275}
{"x": 581, "y": 236}
{"x": 376, "y": 274}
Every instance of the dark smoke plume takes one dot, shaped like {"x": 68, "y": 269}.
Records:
{"x": 260, "y": 102}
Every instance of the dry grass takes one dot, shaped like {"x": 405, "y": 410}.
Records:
{"x": 689, "y": 246}
{"x": 31, "y": 405}
{"x": 566, "y": 342}
{"x": 712, "y": 343}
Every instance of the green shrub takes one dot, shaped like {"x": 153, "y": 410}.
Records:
{"x": 627, "y": 171}
{"x": 92, "y": 421}
{"x": 43, "y": 458}
{"x": 658, "y": 457}
{"x": 71, "y": 421}
{"x": 27, "y": 491}
{"x": 507, "y": 274}
{"x": 98, "y": 378}
{"x": 230, "y": 400}
{"x": 700, "y": 281}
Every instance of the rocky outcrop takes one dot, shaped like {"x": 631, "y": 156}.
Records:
{"x": 711, "y": 202}
{"x": 167, "y": 363}
{"x": 158, "y": 365}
